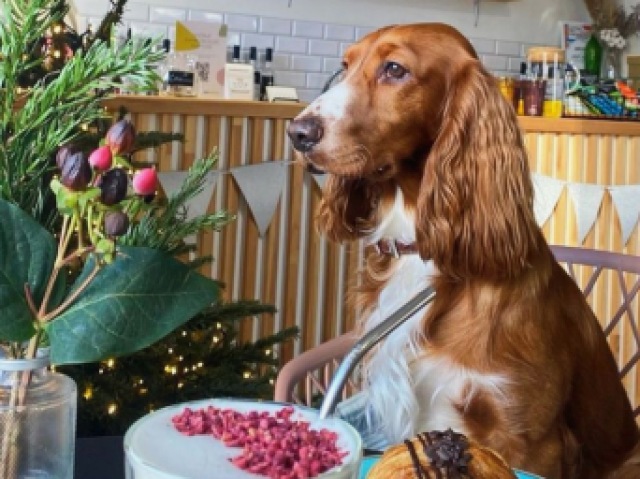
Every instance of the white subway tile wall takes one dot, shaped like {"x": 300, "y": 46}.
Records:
{"x": 305, "y": 53}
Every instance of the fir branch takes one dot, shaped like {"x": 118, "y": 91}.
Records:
{"x": 166, "y": 226}
{"x": 53, "y": 112}
{"x": 225, "y": 312}
{"x": 155, "y": 139}
{"x": 112, "y": 18}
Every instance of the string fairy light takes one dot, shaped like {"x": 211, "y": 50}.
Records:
{"x": 88, "y": 393}
{"x": 112, "y": 409}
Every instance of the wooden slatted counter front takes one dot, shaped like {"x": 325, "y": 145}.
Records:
{"x": 305, "y": 276}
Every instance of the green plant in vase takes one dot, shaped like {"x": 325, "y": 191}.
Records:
{"x": 65, "y": 283}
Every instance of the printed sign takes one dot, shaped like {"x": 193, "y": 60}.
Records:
{"x": 205, "y": 43}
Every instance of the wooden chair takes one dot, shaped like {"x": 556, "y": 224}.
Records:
{"x": 610, "y": 282}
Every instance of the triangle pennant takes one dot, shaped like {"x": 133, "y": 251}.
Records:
{"x": 547, "y": 193}
{"x": 586, "y": 201}
{"x": 197, "y": 206}
{"x": 626, "y": 200}
{"x": 261, "y": 185}
{"x": 321, "y": 180}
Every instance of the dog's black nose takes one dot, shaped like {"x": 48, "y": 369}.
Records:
{"x": 305, "y": 132}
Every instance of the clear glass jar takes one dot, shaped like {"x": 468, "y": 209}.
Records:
{"x": 38, "y": 410}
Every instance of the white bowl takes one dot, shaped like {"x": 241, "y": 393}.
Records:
{"x": 154, "y": 449}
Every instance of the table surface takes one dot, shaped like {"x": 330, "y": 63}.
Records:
{"x": 103, "y": 457}
{"x": 99, "y": 458}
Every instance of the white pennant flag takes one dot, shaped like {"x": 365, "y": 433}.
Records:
{"x": 197, "y": 206}
{"x": 546, "y": 195}
{"x": 626, "y": 199}
{"x": 321, "y": 180}
{"x": 171, "y": 182}
{"x": 586, "y": 201}
{"x": 261, "y": 185}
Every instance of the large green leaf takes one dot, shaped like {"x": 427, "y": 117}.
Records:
{"x": 27, "y": 255}
{"x": 133, "y": 302}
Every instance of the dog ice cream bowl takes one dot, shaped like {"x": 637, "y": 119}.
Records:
{"x": 156, "y": 449}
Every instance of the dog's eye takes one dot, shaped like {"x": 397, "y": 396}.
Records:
{"x": 393, "y": 71}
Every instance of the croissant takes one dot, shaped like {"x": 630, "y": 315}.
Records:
{"x": 440, "y": 455}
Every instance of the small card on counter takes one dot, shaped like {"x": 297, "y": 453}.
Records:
{"x": 282, "y": 93}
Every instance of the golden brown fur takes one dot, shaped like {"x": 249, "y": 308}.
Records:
{"x": 446, "y": 137}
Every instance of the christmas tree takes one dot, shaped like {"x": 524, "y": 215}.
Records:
{"x": 202, "y": 359}
{"x": 66, "y": 71}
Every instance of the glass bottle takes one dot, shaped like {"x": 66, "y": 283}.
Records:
{"x": 593, "y": 56}
{"x": 38, "y": 410}
{"x": 257, "y": 76}
{"x": 267, "y": 74}
{"x": 238, "y": 78}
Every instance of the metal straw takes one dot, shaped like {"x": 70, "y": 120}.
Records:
{"x": 368, "y": 341}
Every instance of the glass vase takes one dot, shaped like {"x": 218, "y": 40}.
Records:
{"x": 611, "y": 64}
{"x": 38, "y": 410}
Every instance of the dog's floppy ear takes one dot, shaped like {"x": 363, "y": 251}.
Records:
{"x": 346, "y": 208}
{"x": 475, "y": 207}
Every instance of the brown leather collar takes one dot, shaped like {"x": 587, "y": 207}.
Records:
{"x": 395, "y": 248}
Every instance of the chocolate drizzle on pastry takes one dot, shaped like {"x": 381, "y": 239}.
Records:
{"x": 447, "y": 454}
{"x": 416, "y": 461}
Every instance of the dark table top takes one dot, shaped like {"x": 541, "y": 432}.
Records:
{"x": 99, "y": 458}
{"x": 103, "y": 457}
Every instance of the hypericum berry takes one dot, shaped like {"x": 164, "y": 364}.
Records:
{"x": 145, "y": 182}
{"x": 114, "y": 184}
{"x": 121, "y": 137}
{"x": 64, "y": 152}
{"x": 116, "y": 223}
{"x": 101, "y": 159}
{"x": 75, "y": 173}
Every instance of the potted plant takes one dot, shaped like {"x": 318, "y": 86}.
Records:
{"x": 122, "y": 298}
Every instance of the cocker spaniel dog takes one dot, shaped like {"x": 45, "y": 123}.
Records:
{"x": 426, "y": 161}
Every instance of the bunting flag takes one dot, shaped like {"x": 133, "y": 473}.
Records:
{"x": 321, "y": 180}
{"x": 587, "y": 199}
{"x": 261, "y": 184}
{"x": 171, "y": 182}
{"x": 547, "y": 193}
{"x": 626, "y": 200}
{"x": 197, "y": 206}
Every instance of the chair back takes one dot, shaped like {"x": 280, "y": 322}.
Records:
{"x": 315, "y": 369}
{"x": 609, "y": 281}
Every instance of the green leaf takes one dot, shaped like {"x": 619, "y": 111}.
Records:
{"x": 27, "y": 256}
{"x": 133, "y": 302}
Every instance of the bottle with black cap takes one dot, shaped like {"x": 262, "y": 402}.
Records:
{"x": 238, "y": 78}
{"x": 163, "y": 68}
{"x": 253, "y": 61}
{"x": 267, "y": 74}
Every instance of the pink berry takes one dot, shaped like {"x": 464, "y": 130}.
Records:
{"x": 101, "y": 159}
{"x": 145, "y": 182}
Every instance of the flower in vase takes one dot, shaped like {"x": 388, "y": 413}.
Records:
{"x": 123, "y": 298}
{"x": 611, "y": 38}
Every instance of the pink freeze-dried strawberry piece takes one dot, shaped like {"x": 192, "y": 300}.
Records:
{"x": 276, "y": 446}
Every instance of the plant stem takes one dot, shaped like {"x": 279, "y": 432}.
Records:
{"x": 29, "y": 296}
{"x": 71, "y": 298}
{"x": 63, "y": 243}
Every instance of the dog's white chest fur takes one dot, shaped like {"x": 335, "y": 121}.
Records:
{"x": 410, "y": 389}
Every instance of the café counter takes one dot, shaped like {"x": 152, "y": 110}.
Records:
{"x": 302, "y": 274}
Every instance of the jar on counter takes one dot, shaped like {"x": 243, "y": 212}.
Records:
{"x": 506, "y": 85}
{"x": 548, "y": 64}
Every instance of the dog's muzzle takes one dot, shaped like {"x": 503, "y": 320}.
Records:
{"x": 305, "y": 133}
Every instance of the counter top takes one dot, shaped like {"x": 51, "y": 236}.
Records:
{"x": 207, "y": 106}
{"x": 204, "y": 106}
